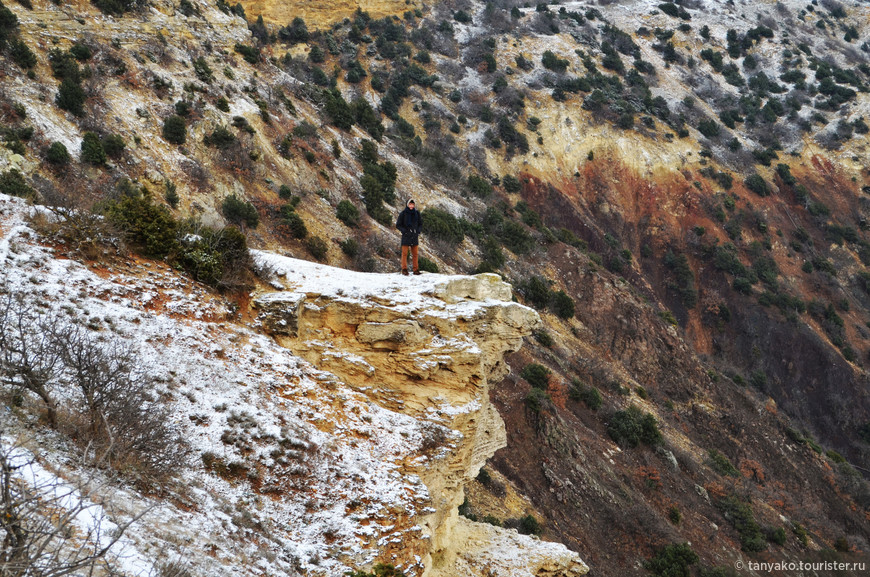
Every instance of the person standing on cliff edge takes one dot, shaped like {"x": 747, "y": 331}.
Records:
{"x": 410, "y": 223}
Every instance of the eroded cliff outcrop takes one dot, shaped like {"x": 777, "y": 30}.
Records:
{"x": 427, "y": 347}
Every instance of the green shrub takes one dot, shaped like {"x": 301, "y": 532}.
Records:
{"x": 171, "y": 194}
{"x": 378, "y": 182}
{"x": 183, "y": 108}
{"x": 801, "y": 533}
{"x": 674, "y": 515}
{"x": 721, "y": 464}
{"x": 668, "y": 317}
{"x": 8, "y": 22}
{"x": 293, "y": 221}
{"x": 92, "y": 149}
{"x": 114, "y": 145}
{"x": 427, "y": 265}
{"x": 775, "y": 535}
{"x": 537, "y": 399}
{"x": 537, "y": 291}
{"x": 347, "y": 213}
{"x": 756, "y": 184}
{"x": 529, "y": 525}
{"x": 350, "y": 247}
{"x": 537, "y": 375}
{"x": 784, "y": 172}
{"x": 317, "y": 247}
{"x": 569, "y": 238}
{"x": 238, "y": 212}
{"x": 220, "y": 137}
{"x": 285, "y": 192}
{"x": 295, "y": 32}
{"x": 739, "y": 514}
{"x": 835, "y": 456}
{"x": 758, "y": 379}
{"x": 175, "y": 130}
{"x": 544, "y": 338}
{"x": 684, "y": 278}
{"x": 511, "y": 136}
{"x": 379, "y": 570}
{"x": 492, "y": 257}
{"x": 57, "y": 154}
{"x": 81, "y": 52}
{"x": 337, "y": 108}
{"x": 672, "y": 560}
{"x": 71, "y": 97}
{"x": 218, "y": 258}
{"x": 148, "y": 227}
{"x": 492, "y": 520}
{"x": 222, "y": 104}
{"x": 202, "y": 70}
{"x": 589, "y": 395}
{"x": 553, "y": 62}
{"x": 631, "y": 427}
{"x": 511, "y": 184}
{"x": 625, "y": 121}
{"x": 12, "y": 183}
{"x": 21, "y": 54}
{"x": 250, "y": 54}
{"x": 443, "y": 225}
{"x": 478, "y": 186}
{"x": 515, "y": 237}
{"x": 114, "y": 7}
{"x": 765, "y": 155}
{"x": 709, "y": 128}
{"x": 366, "y": 117}
{"x": 241, "y": 123}
{"x": 490, "y": 61}
{"x": 563, "y": 305}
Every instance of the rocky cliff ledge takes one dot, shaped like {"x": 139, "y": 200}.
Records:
{"x": 427, "y": 347}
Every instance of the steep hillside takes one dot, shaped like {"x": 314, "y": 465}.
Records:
{"x": 260, "y": 463}
{"x": 679, "y": 189}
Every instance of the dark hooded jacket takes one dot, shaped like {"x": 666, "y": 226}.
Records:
{"x": 410, "y": 223}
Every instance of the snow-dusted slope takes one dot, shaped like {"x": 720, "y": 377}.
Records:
{"x": 328, "y": 478}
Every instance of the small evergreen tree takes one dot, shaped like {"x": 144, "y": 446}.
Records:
{"x": 92, "y": 149}
{"x": 239, "y": 212}
{"x": 563, "y": 305}
{"x": 347, "y": 213}
{"x": 57, "y": 154}
{"x": 71, "y": 97}
{"x": 537, "y": 375}
{"x": 114, "y": 145}
{"x": 175, "y": 130}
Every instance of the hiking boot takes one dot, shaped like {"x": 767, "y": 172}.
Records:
{"x": 416, "y": 272}
{"x": 405, "y": 271}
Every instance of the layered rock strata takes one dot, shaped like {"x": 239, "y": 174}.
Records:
{"x": 427, "y": 347}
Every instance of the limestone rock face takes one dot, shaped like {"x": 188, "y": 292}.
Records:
{"x": 428, "y": 347}
{"x": 490, "y": 550}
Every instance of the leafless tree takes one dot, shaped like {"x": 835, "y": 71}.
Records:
{"x": 115, "y": 413}
{"x": 126, "y": 423}
{"x": 49, "y": 527}
{"x": 29, "y": 359}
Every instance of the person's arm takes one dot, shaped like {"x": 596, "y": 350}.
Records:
{"x": 399, "y": 222}
{"x": 420, "y": 223}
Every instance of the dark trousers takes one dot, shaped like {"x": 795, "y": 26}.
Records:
{"x": 413, "y": 257}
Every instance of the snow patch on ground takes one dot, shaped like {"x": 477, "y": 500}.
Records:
{"x": 324, "y": 465}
